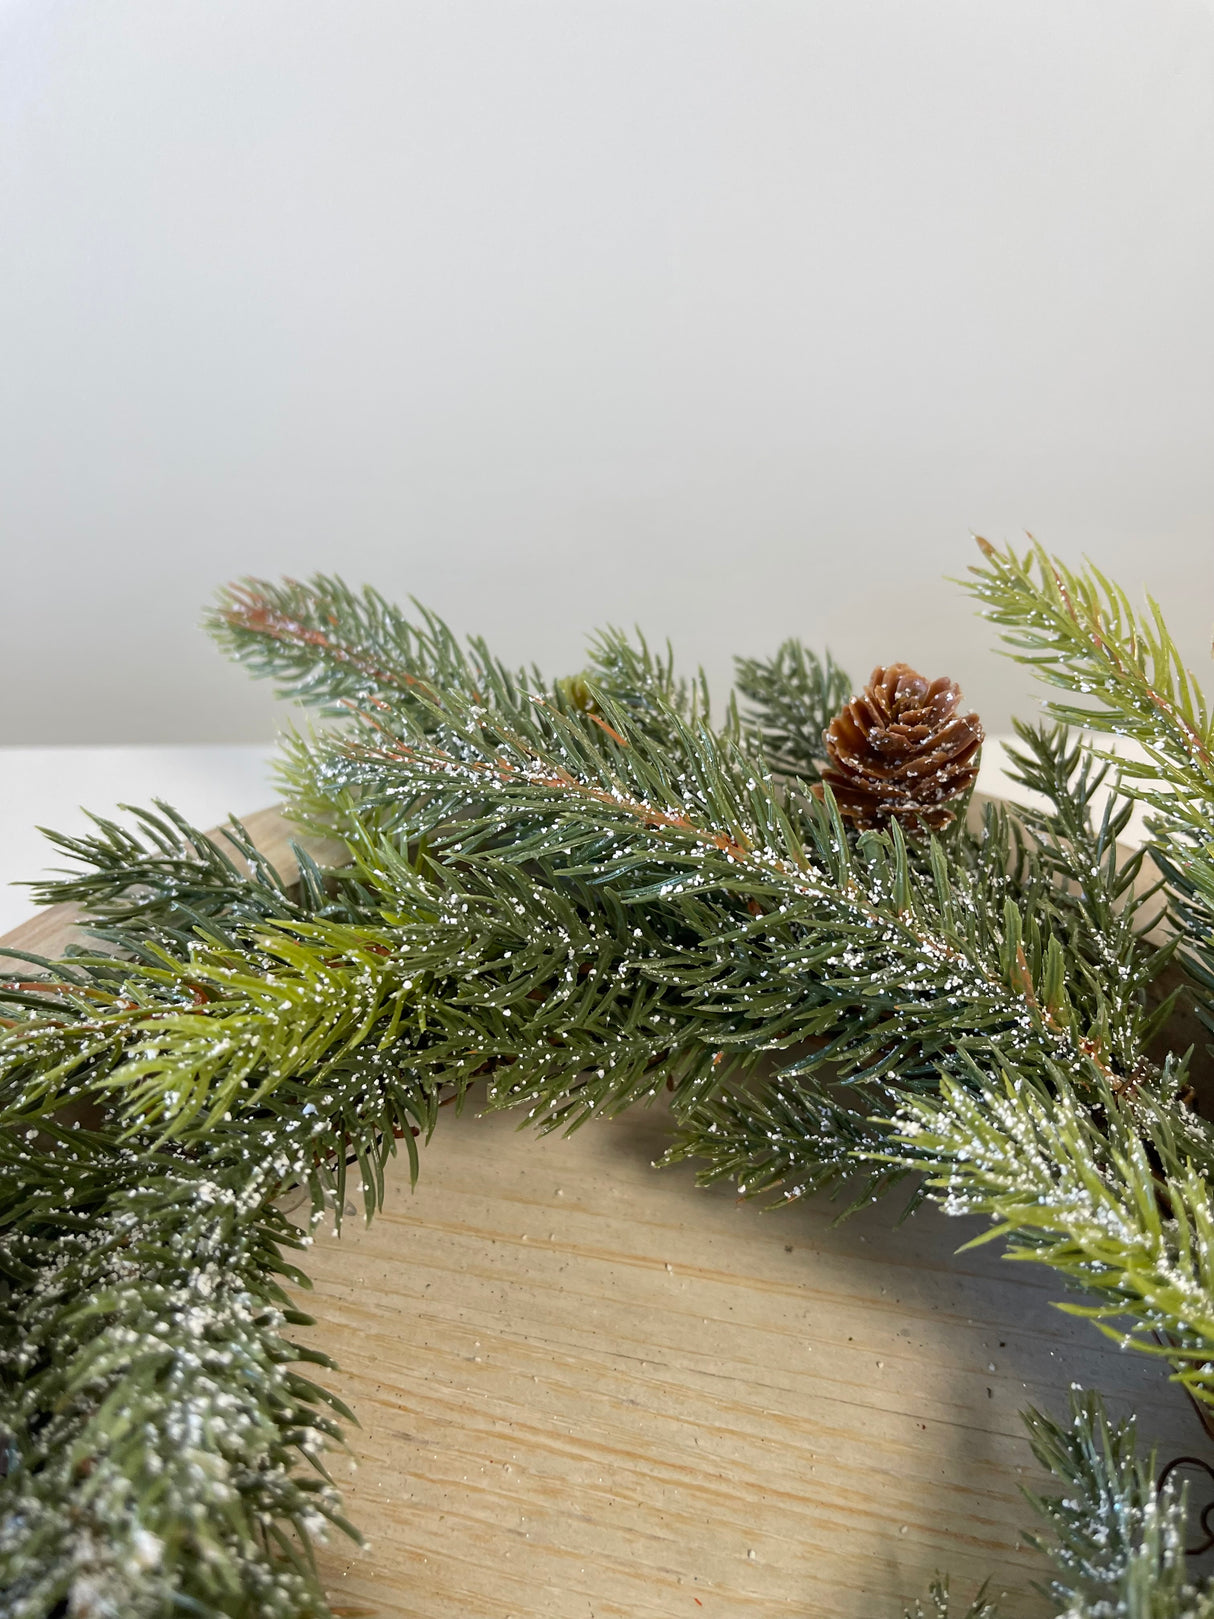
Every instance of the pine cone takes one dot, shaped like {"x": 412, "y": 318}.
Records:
{"x": 901, "y": 749}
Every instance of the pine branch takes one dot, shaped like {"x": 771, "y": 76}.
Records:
{"x": 1189, "y": 873}
{"x": 940, "y": 1604}
{"x": 1113, "y": 1201}
{"x": 337, "y": 650}
{"x": 1062, "y": 874}
{"x": 1117, "y": 1541}
{"x": 725, "y": 1011}
{"x": 329, "y": 646}
{"x": 357, "y": 657}
{"x": 1080, "y": 634}
{"x": 1097, "y": 909}
{"x": 181, "y": 1041}
{"x": 752, "y": 941}
{"x": 793, "y": 697}
{"x": 646, "y": 685}
{"x": 165, "y": 881}
{"x": 890, "y": 967}
{"x": 154, "y": 1412}
{"x": 783, "y": 1135}
{"x": 719, "y": 831}
{"x": 779, "y": 942}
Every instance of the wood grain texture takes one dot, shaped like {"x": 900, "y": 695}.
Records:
{"x": 587, "y": 1388}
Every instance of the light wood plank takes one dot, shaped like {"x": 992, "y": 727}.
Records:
{"x": 588, "y": 1387}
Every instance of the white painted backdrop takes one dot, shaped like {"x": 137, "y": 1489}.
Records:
{"x": 730, "y": 317}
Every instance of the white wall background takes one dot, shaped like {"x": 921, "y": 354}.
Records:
{"x": 730, "y": 317}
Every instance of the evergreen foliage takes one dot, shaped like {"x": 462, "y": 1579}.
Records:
{"x": 1116, "y": 1541}
{"x": 793, "y": 697}
{"x": 584, "y": 893}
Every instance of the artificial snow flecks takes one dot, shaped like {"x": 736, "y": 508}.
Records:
{"x": 178, "y": 1417}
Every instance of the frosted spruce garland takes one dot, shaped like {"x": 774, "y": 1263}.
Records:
{"x": 581, "y": 894}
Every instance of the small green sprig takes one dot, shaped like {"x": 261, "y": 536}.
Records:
{"x": 155, "y": 1415}
{"x": 1080, "y": 634}
{"x": 1116, "y": 1539}
{"x": 792, "y": 698}
{"x": 1112, "y": 1197}
{"x": 940, "y": 1604}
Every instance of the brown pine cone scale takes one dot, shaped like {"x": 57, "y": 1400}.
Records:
{"x": 901, "y": 750}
